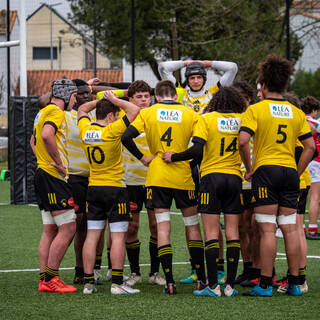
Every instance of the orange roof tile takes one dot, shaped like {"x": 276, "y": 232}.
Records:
{"x": 306, "y": 4}
{"x": 3, "y": 20}
{"x": 39, "y": 81}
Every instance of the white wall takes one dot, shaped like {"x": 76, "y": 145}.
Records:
{"x": 144, "y": 72}
{"x": 309, "y": 61}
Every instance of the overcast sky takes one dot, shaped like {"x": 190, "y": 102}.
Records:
{"x": 32, "y": 5}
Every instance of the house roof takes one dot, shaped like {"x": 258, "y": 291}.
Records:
{"x": 306, "y": 4}
{"x": 3, "y": 20}
{"x": 61, "y": 17}
{"x": 39, "y": 81}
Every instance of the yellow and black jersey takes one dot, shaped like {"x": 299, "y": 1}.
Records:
{"x": 135, "y": 173}
{"x": 168, "y": 127}
{"x": 78, "y": 163}
{"x": 102, "y": 146}
{"x": 54, "y": 116}
{"x": 275, "y": 126}
{"x": 220, "y": 130}
{"x": 197, "y": 102}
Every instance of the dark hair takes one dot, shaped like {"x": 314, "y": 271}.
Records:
{"x": 104, "y": 107}
{"x": 308, "y": 104}
{"x": 245, "y": 89}
{"x": 79, "y": 82}
{"x": 227, "y": 99}
{"x": 138, "y": 86}
{"x": 165, "y": 88}
{"x": 292, "y": 99}
{"x": 275, "y": 73}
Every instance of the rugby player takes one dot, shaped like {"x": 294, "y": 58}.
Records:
{"x": 54, "y": 195}
{"x": 139, "y": 93}
{"x": 168, "y": 127}
{"x": 221, "y": 183}
{"x": 197, "y": 97}
{"x": 275, "y": 125}
{"x": 107, "y": 196}
{"x": 310, "y": 106}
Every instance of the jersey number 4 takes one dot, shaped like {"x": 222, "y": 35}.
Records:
{"x": 166, "y": 137}
{"x": 232, "y": 147}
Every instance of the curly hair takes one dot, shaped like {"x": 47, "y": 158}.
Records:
{"x": 292, "y": 99}
{"x": 138, "y": 86}
{"x": 245, "y": 88}
{"x": 308, "y": 104}
{"x": 275, "y": 73}
{"x": 227, "y": 99}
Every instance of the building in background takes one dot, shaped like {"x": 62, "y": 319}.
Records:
{"x": 71, "y": 49}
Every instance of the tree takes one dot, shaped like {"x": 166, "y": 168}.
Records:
{"x": 307, "y": 83}
{"x": 244, "y": 31}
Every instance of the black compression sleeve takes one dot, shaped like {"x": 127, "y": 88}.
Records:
{"x": 194, "y": 152}
{"x": 127, "y": 140}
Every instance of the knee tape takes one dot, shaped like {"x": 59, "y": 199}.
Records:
{"x": 191, "y": 221}
{"x": 96, "y": 224}
{"x": 121, "y": 226}
{"x": 65, "y": 218}
{"x": 162, "y": 217}
{"x": 47, "y": 217}
{"x": 265, "y": 218}
{"x": 290, "y": 219}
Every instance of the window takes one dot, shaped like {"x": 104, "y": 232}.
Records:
{"x": 43, "y": 53}
{"x": 88, "y": 59}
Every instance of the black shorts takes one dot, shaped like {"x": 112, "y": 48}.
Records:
{"x": 137, "y": 197}
{"x": 108, "y": 203}
{"x": 79, "y": 186}
{"x": 276, "y": 185}
{"x": 303, "y": 200}
{"x": 52, "y": 193}
{"x": 160, "y": 197}
{"x": 220, "y": 192}
{"x": 248, "y": 198}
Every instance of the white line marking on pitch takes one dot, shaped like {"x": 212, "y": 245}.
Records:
{"x": 141, "y": 265}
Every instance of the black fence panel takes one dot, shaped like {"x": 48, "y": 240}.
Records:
{"x": 22, "y": 160}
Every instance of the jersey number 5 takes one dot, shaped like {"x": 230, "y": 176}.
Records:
{"x": 166, "y": 137}
{"x": 283, "y": 135}
{"x": 95, "y": 154}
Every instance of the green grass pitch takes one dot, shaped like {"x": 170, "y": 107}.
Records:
{"x": 19, "y": 298}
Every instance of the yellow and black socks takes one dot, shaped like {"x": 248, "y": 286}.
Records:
{"x": 97, "y": 264}
{"x": 51, "y": 273}
{"x": 117, "y": 276}
{"x": 42, "y": 276}
{"x": 302, "y": 275}
{"x": 212, "y": 257}
{"x": 154, "y": 259}
{"x": 196, "y": 250}
{"x": 89, "y": 278}
{"x": 165, "y": 256}
{"x": 233, "y": 253}
{"x": 133, "y": 253}
{"x": 79, "y": 272}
